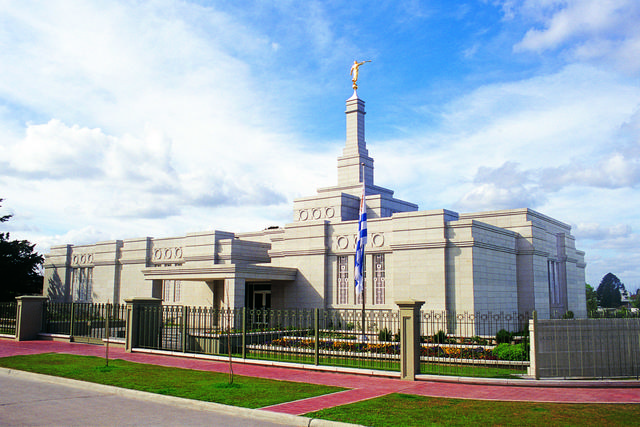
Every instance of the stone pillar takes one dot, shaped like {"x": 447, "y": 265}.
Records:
{"x": 134, "y": 322}
{"x": 29, "y": 317}
{"x": 236, "y": 288}
{"x": 409, "y": 338}
{"x": 534, "y": 346}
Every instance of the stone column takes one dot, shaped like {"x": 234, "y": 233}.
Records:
{"x": 235, "y": 287}
{"x": 534, "y": 346}
{"x": 134, "y": 335}
{"x": 29, "y": 317}
{"x": 409, "y": 338}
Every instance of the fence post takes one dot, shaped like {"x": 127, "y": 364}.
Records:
{"x": 107, "y": 323}
{"x": 244, "y": 332}
{"x": 316, "y": 328}
{"x": 133, "y": 326}
{"x": 185, "y": 327}
{"x": 409, "y": 338}
{"x": 72, "y": 320}
{"x": 533, "y": 346}
{"x": 29, "y": 317}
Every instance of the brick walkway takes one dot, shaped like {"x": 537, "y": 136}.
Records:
{"x": 361, "y": 387}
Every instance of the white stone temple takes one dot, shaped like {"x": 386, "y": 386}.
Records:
{"x": 514, "y": 260}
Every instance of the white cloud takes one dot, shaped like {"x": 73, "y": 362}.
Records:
{"x": 55, "y": 150}
{"x": 596, "y": 231}
{"x": 505, "y": 187}
{"x": 599, "y": 30}
{"x": 614, "y": 171}
{"x": 82, "y": 236}
{"x": 494, "y": 197}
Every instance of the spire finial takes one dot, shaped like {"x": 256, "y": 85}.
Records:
{"x": 354, "y": 72}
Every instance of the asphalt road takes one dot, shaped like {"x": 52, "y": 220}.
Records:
{"x": 27, "y": 400}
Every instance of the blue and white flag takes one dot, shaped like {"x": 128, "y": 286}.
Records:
{"x": 360, "y": 243}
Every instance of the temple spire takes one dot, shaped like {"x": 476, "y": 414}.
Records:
{"x": 355, "y": 152}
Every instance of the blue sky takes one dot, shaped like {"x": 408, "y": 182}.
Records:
{"x": 129, "y": 119}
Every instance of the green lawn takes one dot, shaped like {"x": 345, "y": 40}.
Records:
{"x": 409, "y": 410}
{"x": 390, "y": 410}
{"x": 208, "y": 386}
{"x": 480, "y": 370}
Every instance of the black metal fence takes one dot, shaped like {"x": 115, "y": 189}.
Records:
{"x": 8, "y": 316}
{"x": 452, "y": 343}
{"x": 611, "y": 313}
{"x": 85, "y": 321}
{"x": 474, "y": 344}
{"x": 315, "y": 336}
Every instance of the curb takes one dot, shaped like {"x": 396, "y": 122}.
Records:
{"x": 568, "y": 383}
{"x": 256, "y": 414}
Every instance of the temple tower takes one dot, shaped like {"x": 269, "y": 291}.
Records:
{"x": 341, "y": 202}
{"x": 355, "y": 152}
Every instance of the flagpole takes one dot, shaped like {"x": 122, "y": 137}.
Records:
{"x": 364, "y": 266}
{"x": 364, "y": 257}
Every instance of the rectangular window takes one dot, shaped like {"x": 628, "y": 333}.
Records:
{"x": 554, "y": 286}
{"x": 176, "y": 290}
{"x": 378, "y": 279}
{"x": 166, "y": 290}
{"x": 82, "y": 284}
{"x": 171, "y": 291}
{"x": 343, "y": 280}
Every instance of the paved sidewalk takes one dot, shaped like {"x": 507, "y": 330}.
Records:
{"x": 361, "y": 387}
{"x": 38, "y": 400}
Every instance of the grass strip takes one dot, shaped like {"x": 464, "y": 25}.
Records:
{"x": 248, "y": 392}
{"x": 479, "y": 370}
{"x": 410, "y": 410}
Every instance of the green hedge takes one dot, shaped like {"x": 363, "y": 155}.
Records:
{"x": 517, "y": 352}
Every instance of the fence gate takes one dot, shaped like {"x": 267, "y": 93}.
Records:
{"x": 85, "y": 322}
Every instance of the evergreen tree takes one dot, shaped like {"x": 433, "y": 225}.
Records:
{"x": 20, "y": 267}
{"x": 609, "y": 291}
{"x": 592, "y": 299}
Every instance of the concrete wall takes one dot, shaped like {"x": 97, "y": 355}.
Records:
{"x": 585, "y": 348}
{"x": 303, "y": 246}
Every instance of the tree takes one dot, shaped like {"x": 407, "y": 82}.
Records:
{"x": 592, "y": 299}
{"x": 20, "y": 267}
{"x": 609, "y": 291}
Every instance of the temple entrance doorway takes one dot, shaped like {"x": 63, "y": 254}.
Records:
{"x": 258, "y": 296}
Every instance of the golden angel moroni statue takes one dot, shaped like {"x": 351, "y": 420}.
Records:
{"x": 354, "y": 72}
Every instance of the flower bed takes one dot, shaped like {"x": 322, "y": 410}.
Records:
{"x": 458, "y": 352}
{"x": 336, "y": 345}
{"x": 437, "y": 351}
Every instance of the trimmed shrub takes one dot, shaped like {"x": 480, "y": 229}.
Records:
{"x": 478, "y": 340}
{"x": 440, "y": 337}
{"x": 503, "y": 336}
{"x": 384, "y": 335}
{"x": 516, "y": 352}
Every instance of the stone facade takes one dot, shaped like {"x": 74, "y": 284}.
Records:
{"x": 504, "y": 261}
